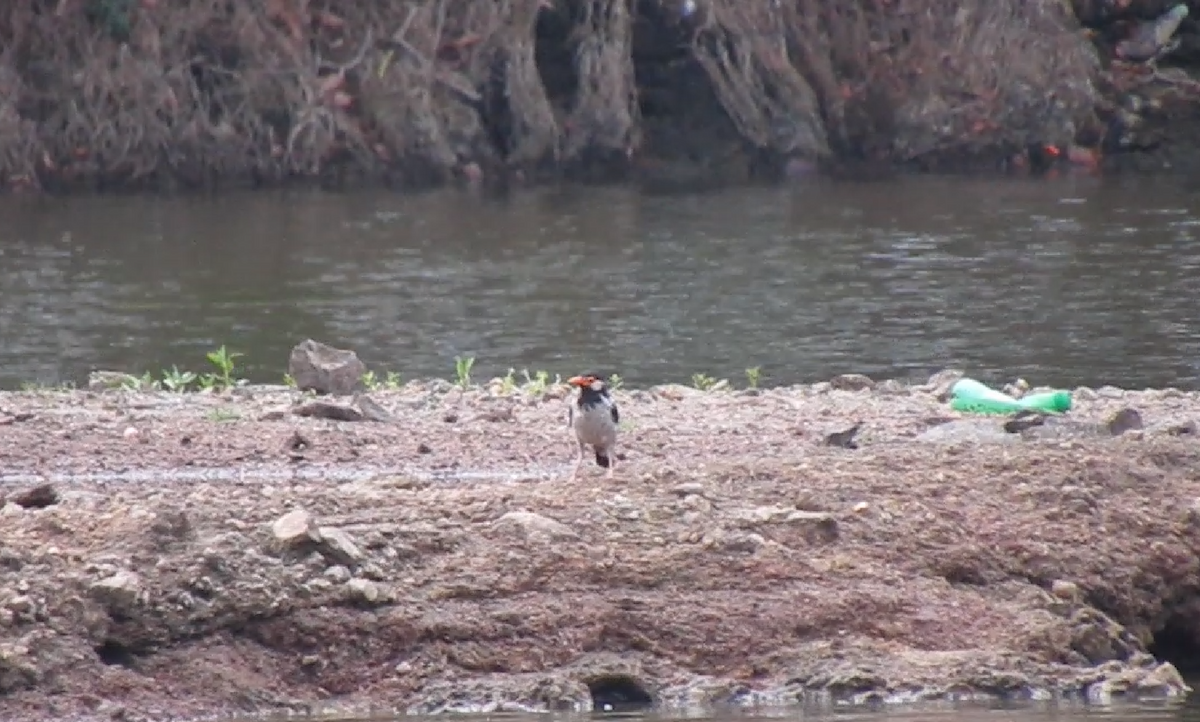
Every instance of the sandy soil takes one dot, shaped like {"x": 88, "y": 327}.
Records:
{"x": 228, "y": 555}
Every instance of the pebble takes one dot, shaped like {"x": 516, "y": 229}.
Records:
{"x": 339, "y": 547}
{"x": 1065, "y": 590}
{"x": 535, "y": 527}
{"x": 365, "y": 590}
{"x": 851, "y": 382}
{"x": 338, "y": 574}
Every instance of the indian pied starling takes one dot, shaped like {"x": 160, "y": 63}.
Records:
{"x": 594, "y": 418}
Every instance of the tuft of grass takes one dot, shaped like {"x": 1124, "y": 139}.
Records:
{"x": 704, "y": 382}
{"x": 535, "y": 383}
{"x": 753, "y": 375}
{"x": 372, "y": 382}
{"x": 145, "y": 382}
{"x": 508, "y": 384}
{"x": 288, "y": 381}
{"x": 615, "y": 382}
{"x": 224, "y": 363}
{"x": 462, "y": 371}
{"x": 176, "y": 381}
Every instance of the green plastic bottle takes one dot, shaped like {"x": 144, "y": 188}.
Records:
{"x": 971, "y": 396}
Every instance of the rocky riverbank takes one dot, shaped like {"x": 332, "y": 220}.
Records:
{"x": 209, "y": 553}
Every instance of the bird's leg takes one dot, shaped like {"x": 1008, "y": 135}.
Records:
{"x": 578, "y": 462}
{"x": 612, "y": 464}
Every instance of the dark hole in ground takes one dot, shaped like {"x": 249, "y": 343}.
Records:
{"x": 1177, "y": 643}
{"x": 618, "y": 693}
{"x": 115, "y": 654}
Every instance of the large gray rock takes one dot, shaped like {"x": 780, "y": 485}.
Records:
{"x": 315, "y": 366}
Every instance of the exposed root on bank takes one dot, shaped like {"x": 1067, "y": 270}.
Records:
{"x": 104, "y": 93}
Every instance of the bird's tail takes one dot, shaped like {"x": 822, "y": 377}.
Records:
{"x": 602, "y": 458}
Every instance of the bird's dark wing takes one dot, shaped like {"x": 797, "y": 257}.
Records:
{"x": 616, "y": 416}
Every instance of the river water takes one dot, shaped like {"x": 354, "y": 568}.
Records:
{"x": 1078, "y": 280}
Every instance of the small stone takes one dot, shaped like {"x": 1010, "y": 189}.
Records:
{"x": 1180, "y": 428}
{"x": 310, "y": 660}
{"x": 38, "y": 497}
{"x": 315, "y": 366}
{"x": 940, "y": 383}
{"x": 11, "y": 509}
{"x": 819, "y": 526}
{"x": 851, "y": 382}
{"x": 761, "y": 515}
{"x": 112, "y": 710}
{"x": 734, "y": 541}
{"x": 171, "y": 522}
{"x": 372, "y": 410}
{"x": 535, "y": 527}
{"x": 318, "y": 585}
{"x": 130, "y": 432}
{"x": 691, "y": 487}
{"x": 338, "y": 574}
{"x": 326, "y": 410}
{"x": 295, "y": 528}
{"x": 364, "y": 590}
{"x": 892, "y": 387}
{"x": 1124, "y": 420}
{"x": 372, "y": 571}
{"x": 119, "y": 591}
{"x": 1068, "y": 591}
{"x": 337, "y": 545}
{"x": 21, "y": 604}
{"x": 1017, "y": 389}
{"x": 860, "y": 507}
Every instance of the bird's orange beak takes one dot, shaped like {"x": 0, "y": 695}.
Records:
{"x": 580, "y": 380}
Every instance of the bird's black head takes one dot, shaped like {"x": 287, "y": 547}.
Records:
{"x": 590, "y": 382}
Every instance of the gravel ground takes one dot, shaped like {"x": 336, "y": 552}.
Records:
{"x": 171, "y": 556}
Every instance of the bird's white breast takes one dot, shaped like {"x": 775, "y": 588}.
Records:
{"x": 594, "y": 425}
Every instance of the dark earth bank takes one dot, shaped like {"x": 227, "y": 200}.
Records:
{"x": 125, "y": 94}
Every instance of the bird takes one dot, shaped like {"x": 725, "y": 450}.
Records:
{"x": 594, "y": 417}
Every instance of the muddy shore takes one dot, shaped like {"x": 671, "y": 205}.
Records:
{"x": 262, "y": 560}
